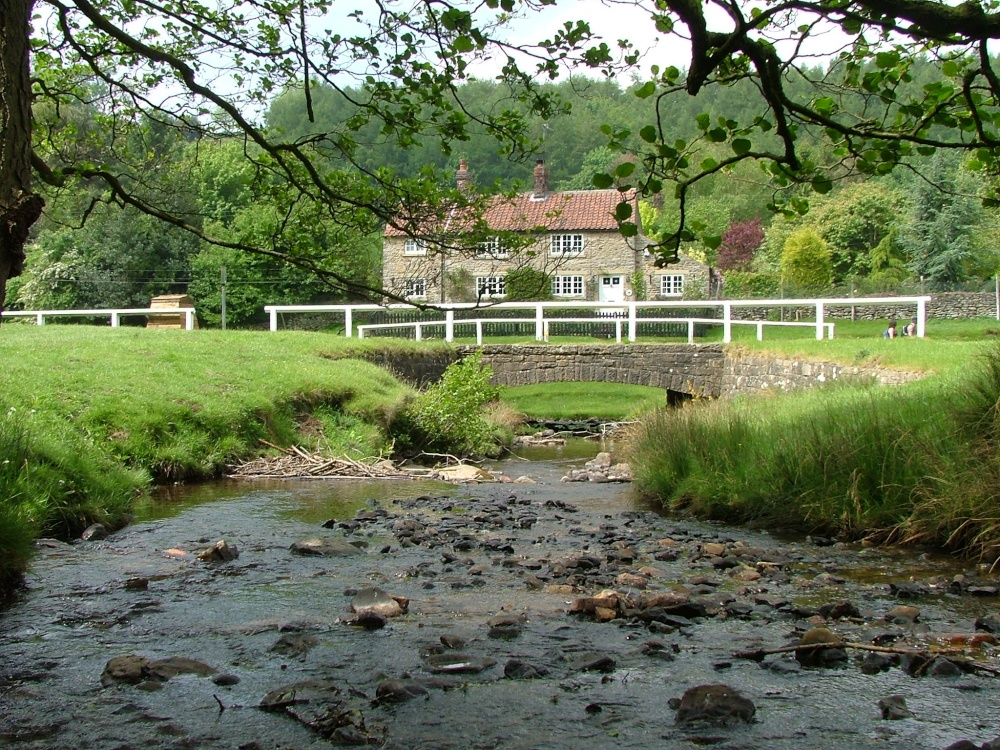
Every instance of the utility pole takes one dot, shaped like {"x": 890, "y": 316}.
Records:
{"x": 222, "y": 283}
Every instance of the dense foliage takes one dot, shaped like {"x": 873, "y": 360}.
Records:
{"x": 339, "y": 122}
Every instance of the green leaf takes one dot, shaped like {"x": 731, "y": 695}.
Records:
{"x": 708, "y": 164}
{"x": 648, "y": 134}
{"x": 703, "y": 121}
{"x": 463, "y": 44}
{"x": 717, "y": 135}
{"x": 628, "y": 229}
{"x": 623, "y": 211}
{"x": 949, "y": 68}
{"x": 624, "y": 169}
{"x": 646, "y": 90}
{"x": 887, "y": 59}
{"x": 602, "y": 181}
{"x": 822, "y": 185}
{"x": 712, "y": 240}
{"x": 741, "y": 146}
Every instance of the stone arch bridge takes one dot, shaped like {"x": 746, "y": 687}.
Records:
{"x": 682, "y": 370}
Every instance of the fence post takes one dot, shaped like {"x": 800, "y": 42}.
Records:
{"x": 819, "y": 320}
{"x": 632, "y": 324}
{"x": 727, "y": 322}
{"x": 449, "y": 325}
{"x": 40, "y": 319}
{"x": 921, "y": 317}
{"x": 349, "y": 324}
{"x": 114, "y": 320}
{"x": 539, "y": 317}
{"x": 274, "y": 319}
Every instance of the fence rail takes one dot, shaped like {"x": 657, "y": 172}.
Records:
{"x": 544, "y": 314}
{"x": 116, "y": 315}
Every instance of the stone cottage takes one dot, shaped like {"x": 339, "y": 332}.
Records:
{"x": 570, "y": 236}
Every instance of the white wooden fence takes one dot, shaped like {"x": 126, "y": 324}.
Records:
{"x": 453, "y": 314}
{"x": 115, "y": 315}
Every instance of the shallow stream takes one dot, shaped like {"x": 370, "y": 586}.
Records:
{"x": 464, "y": 555}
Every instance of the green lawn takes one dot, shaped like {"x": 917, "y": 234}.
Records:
{"x": 605, "y": 401}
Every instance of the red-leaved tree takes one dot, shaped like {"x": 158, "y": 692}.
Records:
{"x": 739, "y": 243}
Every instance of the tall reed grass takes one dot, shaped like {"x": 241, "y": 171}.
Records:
{"x": 917, "y": 463}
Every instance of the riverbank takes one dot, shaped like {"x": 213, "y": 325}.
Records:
{"x": 916, "y": 463}
{"x": 90, "y": 418}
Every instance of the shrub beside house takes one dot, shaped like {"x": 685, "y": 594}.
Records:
{"x": 569, "y": 239}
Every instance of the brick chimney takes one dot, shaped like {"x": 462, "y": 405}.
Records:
{"x": 541, "y": 175}
{"x": 462, "y": 177}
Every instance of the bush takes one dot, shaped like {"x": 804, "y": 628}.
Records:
{"x": 449, "y": 416}
{"x": 528, "y": 285}
{"x": 749, "y": 285}
{"x": 806, "y": 260}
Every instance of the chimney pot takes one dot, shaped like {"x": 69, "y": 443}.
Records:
{"x": 463, "y": 180}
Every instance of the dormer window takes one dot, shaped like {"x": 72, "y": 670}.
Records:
{"x": 414, "y": 247}
{"x": 566, "y": 245}
{"x": 492, "y": 249}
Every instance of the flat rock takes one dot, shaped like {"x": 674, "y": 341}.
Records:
{"x": 327, "y": 547}
{"x": 451, "y": 663}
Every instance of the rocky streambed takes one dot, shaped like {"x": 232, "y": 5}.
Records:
{"x": 549, "y": 614}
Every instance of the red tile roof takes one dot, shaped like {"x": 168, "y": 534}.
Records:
{"x": 573, "y": 210}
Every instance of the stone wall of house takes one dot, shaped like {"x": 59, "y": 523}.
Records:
{"x": 696, "y": 277}
{"x": 703, "y": 370}
{"x": 603, "y": 253}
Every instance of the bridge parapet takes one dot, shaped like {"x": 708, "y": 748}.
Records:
{"x": 692, "y": 369}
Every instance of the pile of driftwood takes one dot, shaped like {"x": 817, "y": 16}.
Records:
{"x": 294, "y": 462}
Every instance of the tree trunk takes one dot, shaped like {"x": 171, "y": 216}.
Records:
{"x": 19, "y": 206}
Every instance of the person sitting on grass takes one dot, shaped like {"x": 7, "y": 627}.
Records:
{"x": 890, "y": 332}
{"x": 910, "y": 329}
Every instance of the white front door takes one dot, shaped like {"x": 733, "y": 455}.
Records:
{"x": 612, "y": 289}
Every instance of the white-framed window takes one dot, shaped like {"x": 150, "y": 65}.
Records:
{"x": 566, "y": 245}
{"x": 415, "y": 288}
{"x": 672, "y": 285}
{"x": 567, "y": 286}
{"x": 491, "y": 286}
{"x": 414, "y": 247}
{"x": 492, "y": 249}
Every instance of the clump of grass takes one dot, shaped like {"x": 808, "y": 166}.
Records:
{"x": 915, "y": 463}
{"x": 449, "y": 417}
